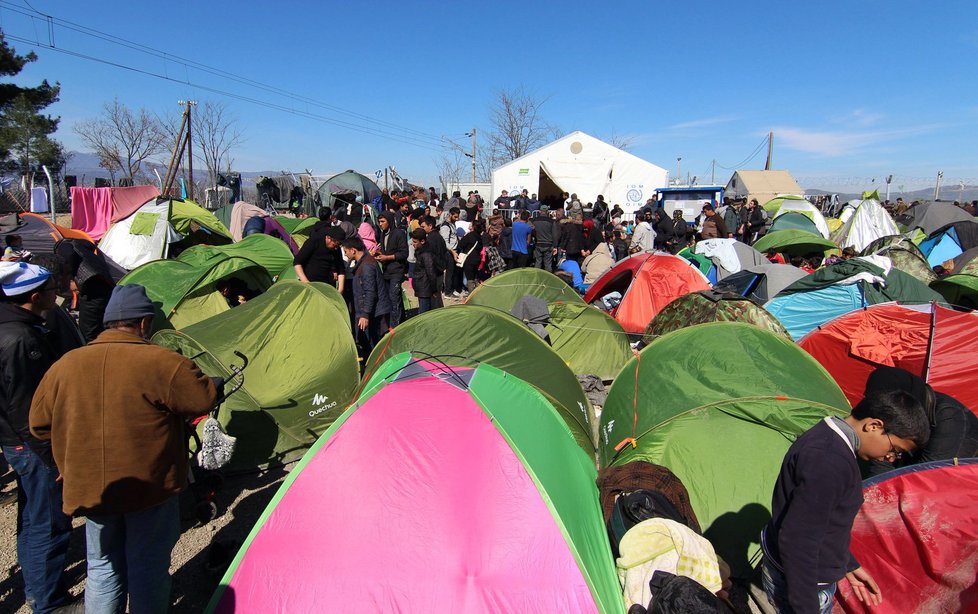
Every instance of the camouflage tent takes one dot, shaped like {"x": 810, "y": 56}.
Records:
{"x": 710, "y": 306}
{"x": 904, "y": 255}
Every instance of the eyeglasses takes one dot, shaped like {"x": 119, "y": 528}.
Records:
{"x": 894, "y": 453}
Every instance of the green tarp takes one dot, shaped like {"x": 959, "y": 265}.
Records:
{"x": 503, "y": 291}
{"x": 185, "y": 213}
{"x": 301, "y": 375}
{"x": 719, "y": 404}
{"x": 899, "y": 286}
{"x": 467, "y": 335}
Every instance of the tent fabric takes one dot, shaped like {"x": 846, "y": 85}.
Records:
{"x": 582, "y": 164}
{"x": 869, "y": 222}
{"x": 960, "y": 290}
{"x": 272, "y": 254}
{"x": 40, "y": 235}
{"x": 805, "y": 208}
{"x": 467, "y": 335}
{"x": 744, "y": 255}
{"x": 588, "y": 340}
{"x": 529, "y": 538}
{"x": 941, "y": 247}
{"x": 131, "y": 250}
{"x": 917, "y": 532}
{"x": 796, "y": 221}
{"x": 710, "y": 306}
{"x": 183, "y": 213}
{"x": 504, "y": 290}
{"x": 185, "y": 289}
{"x": 794, "y": 242}
{"x": 295, "y": 385}
{"x": 905, "y": 256}
{"x": 648, "y": 282}
{"x": 93, "y": 210}
{"x": 761, "y": 283}
{"x": 241, "y": 212}
{"x": 277, "y": 231}
{"x": 708, "y": 401}
{"x": 348, "y": 183}
{"x": 762, "y": 185}
{"x": 802, "y": 312}
{"x": 773, "y": 205}
{"x": 932, "y": 216}
{"x": 909, "y": 337}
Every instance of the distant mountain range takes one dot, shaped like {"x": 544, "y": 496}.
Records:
{"x": 948, "y": 192}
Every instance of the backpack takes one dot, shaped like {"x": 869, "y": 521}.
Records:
{"x": 494, "y": 262}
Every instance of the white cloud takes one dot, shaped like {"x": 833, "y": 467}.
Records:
{"x": 701, "y": 123}
{"x": 832, "y": 143}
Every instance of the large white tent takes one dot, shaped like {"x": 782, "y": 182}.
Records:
{"x": 581, "y": 164}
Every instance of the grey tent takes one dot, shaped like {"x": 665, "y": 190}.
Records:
{"x": 761, "y": 282}
{"x": 932, "y": 216}
{"x": 346, "y": 187}
{"x": 535, "y": 313}
{"x": 746, "y": 255}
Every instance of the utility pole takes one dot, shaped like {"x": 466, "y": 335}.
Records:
{"x": 713, "y": 173}
{"x": 937, "y": 188}
{"x": 770, "y": 150}
{"x": 889, "y": 178}
{"x": 473, "y": 155}
{"x": 190, "y": 151}
{"x": 679, "y": 171}
{"x": 183, "y": 143}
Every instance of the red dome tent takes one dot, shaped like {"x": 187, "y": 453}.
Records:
{"x": 917, "y": 533}
{"x": 647, "y": 282}
{"x": 933, "y": 342}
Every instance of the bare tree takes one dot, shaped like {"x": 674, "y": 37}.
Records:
{"x": 621, "y": 141}
{"x": 517, "y": 127}
{"x": 215, "y": 135}
{"x": 453, "y": 167}
{"x": 122, "y": 139}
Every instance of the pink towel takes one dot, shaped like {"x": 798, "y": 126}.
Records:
{"x": 91, "y": 210}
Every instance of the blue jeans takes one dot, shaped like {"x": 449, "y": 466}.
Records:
{"x": 129, "y": 554}
{"x": 424, "y": 304}
{"x": 776, "y": 587}
{"x": 43, "y": 530}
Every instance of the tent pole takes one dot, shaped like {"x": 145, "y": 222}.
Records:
{"x": 930, "y": 340}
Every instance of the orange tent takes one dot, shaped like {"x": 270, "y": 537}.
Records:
{"x": 647, "y": 282}
{"x": 39, "y": 233}
{"x": 930, "y": 341}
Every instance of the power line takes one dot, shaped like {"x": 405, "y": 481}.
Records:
{"x": 753, "y": 155}
{"x": 380, "y": 127}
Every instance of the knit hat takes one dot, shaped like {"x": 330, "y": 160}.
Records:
{"x": 18, "y": 278}
{"x": 128, "y": 303}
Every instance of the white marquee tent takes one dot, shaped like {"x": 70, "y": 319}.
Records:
{"x": 579, "y": 163}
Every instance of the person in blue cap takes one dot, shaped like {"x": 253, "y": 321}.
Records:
{"x": 115, "y": 412}
{"x": 26, "y": 354}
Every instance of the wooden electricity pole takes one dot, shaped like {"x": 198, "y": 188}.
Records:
{"x": 770, "y": 150}
{"x": 184, "y": 143}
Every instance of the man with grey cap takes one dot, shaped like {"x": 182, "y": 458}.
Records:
{"x": 26, "y": 354}
{"x": 116, "y": 412}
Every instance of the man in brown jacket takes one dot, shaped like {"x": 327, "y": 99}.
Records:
{"x": 115, "y": 412}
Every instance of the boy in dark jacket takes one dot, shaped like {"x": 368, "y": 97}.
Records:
{"x": 424, "y": 278}
{"x": 371, "y": 301}
{"x": 816, "y": 498}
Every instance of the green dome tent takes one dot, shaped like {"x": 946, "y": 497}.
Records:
{"x": 503, "y": 291}
{"x": 796, "y": 221}
{"x": 271, "y": 253}
{"x": 467, "y": 335}
{"x": 718, "y": 404}
{"x": 794, "y": 242}
{"x": 774, "y": 205}
{"x": 589, "y": 340}
{"x": 710, "y": 306}
{"x": 302, "y": 368}
{"x": 186, "y": 290}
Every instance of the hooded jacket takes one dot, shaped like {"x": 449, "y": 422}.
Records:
{"x": 393, "y": 242}
{"x": 26, "y": 354}
{"x": 599, "y": 261}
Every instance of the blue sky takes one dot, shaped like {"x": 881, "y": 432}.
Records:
{"x": 853, "y": 90}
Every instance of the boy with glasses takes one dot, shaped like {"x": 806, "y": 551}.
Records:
{"x": 817, "y": 495}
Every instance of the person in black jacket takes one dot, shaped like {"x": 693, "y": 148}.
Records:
{"x": 319, "y": 258}
{"x": 664, "y": 234}
{"x": 546, "y": 236}
{"x": 371, "y": 304}
{"x": 43, "y": 530}
{"x": 424, "y": 278}
{"x": 572, "y": 238}
{"x": 439, "y": 250}
{"x": 816, "y": 498}
{"x": 392, "y": 254}
{"x": 470, "y": 253}
{"x": 953, "y": 427}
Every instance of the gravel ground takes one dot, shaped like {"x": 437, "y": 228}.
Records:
{"x": 240, "y": 502}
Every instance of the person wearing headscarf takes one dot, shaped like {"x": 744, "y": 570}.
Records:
{"x": 679, "y": 231}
